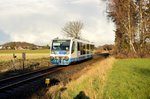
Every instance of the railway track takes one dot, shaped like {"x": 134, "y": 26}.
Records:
{"x": 9, "y": 84}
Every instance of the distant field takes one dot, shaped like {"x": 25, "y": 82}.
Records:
{"x": 6, "y": 55}
{"x": 27, "y": 51}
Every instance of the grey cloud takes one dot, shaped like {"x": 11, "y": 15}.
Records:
{"x": 44, "y": 19}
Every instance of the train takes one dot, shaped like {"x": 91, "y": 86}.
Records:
{"x": 70, "y": 50}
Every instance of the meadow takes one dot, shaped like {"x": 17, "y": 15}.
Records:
{"x": 129, "y": 79}
{"x": 32, "y": 57}
{"x": 110, "y": 79}
{"x": 7, "y": 55}
{"x": 26, "y": 51}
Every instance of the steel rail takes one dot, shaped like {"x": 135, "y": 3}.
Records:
{"x": 9, "y": 86}
{"x": 25, "y": 74}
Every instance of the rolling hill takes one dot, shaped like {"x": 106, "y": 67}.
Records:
{"x": 20, "y": 45}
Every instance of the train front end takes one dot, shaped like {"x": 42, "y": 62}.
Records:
{"x": 60, "y": 52}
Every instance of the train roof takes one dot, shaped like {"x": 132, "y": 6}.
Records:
{"x": 78, "y": 40}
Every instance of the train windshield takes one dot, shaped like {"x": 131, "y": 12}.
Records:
{"x": 58, "y": 45}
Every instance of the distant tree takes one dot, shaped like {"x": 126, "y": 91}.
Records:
{"x": 73, "y": 29}
{"x": 47, "y": 46}
{"x": 108, "y": 47}
{"x": 13, "y": 46}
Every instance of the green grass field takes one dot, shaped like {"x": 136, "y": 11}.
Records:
{"x": 129, "y": 79}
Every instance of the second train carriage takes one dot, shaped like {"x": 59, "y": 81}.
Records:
{"x": 66, "y": 51}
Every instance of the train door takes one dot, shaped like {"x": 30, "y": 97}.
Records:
{"x": 78, "y": 49}
{"x": 74, "y": 51}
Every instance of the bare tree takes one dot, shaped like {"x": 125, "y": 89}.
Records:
{"x": 132, "y": 21}
{"x": 73, "y": 29}
{"x": 130, "y": 24}
{"x": 143, "y": 7}
{"x": 122, "y": 14}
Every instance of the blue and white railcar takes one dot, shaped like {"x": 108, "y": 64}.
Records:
{"x": 66, "y": 51}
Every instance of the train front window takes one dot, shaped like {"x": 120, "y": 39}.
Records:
{"x": 58, "y": 45}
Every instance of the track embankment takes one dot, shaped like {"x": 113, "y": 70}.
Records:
{"x": 74, "y": 76}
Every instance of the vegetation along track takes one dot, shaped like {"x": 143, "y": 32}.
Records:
{"x": 67, "y": 73}
{"x": 8, "y": 85}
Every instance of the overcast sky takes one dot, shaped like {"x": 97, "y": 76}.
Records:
{"x": 39, "y": 21}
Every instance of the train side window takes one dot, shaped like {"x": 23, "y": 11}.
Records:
{"x": 88, "y": 46}
{"x": 79, "y": 46}
{"x": 83, "y": 48}
{"x": 88, "y": 49}
{"x": 92, "y": 47}
{"x": 73, "y": 47}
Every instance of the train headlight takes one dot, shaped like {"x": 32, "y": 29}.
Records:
{"x": 66, "y": 58}
{"x": 53, "y": 52}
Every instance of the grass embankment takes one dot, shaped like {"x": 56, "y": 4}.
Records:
{"x": 129, "y": 79}
{"x": 88, "y": 85}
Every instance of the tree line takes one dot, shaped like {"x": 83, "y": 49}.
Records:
{"x": 132, "y": 20}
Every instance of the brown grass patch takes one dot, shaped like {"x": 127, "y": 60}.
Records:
{"x": 8, "y": 57}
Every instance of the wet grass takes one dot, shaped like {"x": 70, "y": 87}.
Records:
{"x": 129, "y": 79}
